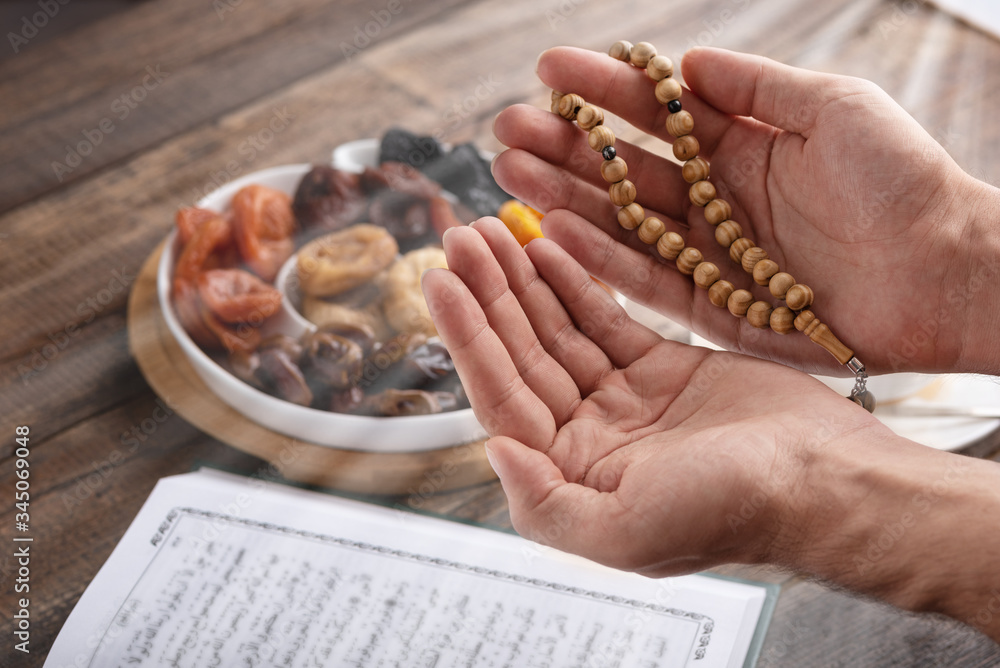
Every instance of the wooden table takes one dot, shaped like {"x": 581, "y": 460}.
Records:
{"x": 174, "y": 99}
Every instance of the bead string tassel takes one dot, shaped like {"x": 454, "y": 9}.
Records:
{"x": 795, "y": 313}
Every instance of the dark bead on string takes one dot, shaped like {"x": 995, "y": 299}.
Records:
{"x": 674, "y": 106}
{"x": 609, "y": 153}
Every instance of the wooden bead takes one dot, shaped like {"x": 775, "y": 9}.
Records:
{"x": 614, "y": 171}
{"x": 689, "y": 258}
{"x": 680, "y": 124}
{"x": 667, "y": 90}
{"x": 738, "y": 247}
{"x": 779, "y": 284}
{"x": 782, "y": 319}
{"x": 556, "y": 98}
{"x": 751, "y": 257}
{"x": 701, "y": 193}
{"x": 651, "y": 229}
{"x": 717, "y": 211}
{"x": 695, "y": 169}
{"x": 622, "y": 193}
{"x": 631, "y": 216}
{"x": 641, "y": 54}
{"x": 727, "y": 233}
{"x": 569, "y": 104}
{"x": 659, "y": 67}
{"x": 759, "y": 314}
{"x": 764, "y": 270}
{"x": 719, "y": 293}
{"x": 670, "y": 245}
{"x": 739, "y": 302}
{"x": 799, "y": 296}
{"x": 706, "y": 274}
{"x": 600, "y": 137}
{"x": 589, "y": 117}
{"x": 686, "y": 147}
{"x": 620, "y": 50}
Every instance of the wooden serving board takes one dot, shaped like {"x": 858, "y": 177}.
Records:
{"x": 172, "y": 377}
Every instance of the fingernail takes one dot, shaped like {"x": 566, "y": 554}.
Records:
{"x": 491, "y": 458}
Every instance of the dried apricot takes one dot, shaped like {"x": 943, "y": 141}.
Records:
{"x": 208, "y": 238}
{"x": 263, "y": 225}
{"x": 235, "y": 296}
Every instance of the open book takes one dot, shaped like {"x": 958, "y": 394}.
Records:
{"x": 220, "y": 570}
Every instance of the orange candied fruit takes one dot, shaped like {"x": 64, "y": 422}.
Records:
{"x": 522, "y": 221}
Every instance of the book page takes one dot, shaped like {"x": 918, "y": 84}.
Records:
{"x": 220, "y": 570}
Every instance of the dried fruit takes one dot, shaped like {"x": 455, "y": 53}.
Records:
{"x": 263, "y": 225}
{"x": 523, "y": 222}
{"x": 344, "y": 260}
{"x": 237, "y": 296}
{"x": 404, "y": 304}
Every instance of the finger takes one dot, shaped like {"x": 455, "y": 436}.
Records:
{"x": 548, "y": 510}
{"x": 741, "y": 84}
{"x": 628, "y": 92}
{"x": 636, "y": 274}
{"x": 560, "y": 143}
{"x": 594, "y": 311}
{"x": 503, "y": 403}
{"x": 472, "y": 260}
{"x": 549, "y": 188}
{"x": 584, "y": 361}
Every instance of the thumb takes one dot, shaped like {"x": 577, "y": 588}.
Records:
{"x": 742, "y": 84}
{"x": 543, "y": 506}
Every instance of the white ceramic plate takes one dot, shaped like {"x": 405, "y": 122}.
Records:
{"x": 355, "y": 432}
{"x": 942, "y": 433}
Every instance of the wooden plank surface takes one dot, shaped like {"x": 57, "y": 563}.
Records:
{"x": 69, "y": 250}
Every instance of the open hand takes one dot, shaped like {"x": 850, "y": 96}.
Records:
{"x": 836, "y": 182}
{"x": 611, "y": 442}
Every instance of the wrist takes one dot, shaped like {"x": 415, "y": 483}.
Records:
{"x": 974, "y": 292}
{"x": 913, "y": 526}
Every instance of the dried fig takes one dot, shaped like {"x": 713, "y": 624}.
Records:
{"x": 333, "y": 360}
{"x": 324, "y": 313}
{"x": 404, "y": 304}
{"x": 344, "y": 260}
{"x": 329, "y": 198}
{"x": 283, "y": 377}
